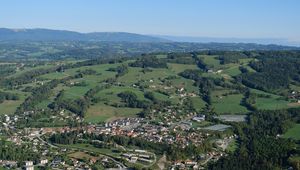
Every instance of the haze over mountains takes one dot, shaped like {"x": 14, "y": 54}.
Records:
{"x": 53, "y": 35}
{"x": 64, "y": 35}
{"x": 264, "y": 41}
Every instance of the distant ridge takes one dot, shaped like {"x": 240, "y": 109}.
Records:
{"x": 263, "y": 41}
{"x": 41, "y": 34}
{"x": 63, "y": 35}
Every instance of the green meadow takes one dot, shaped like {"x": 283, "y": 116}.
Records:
{"x": 293, "y": 132}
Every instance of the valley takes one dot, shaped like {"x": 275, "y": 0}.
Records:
{"x": 194, "y": 102}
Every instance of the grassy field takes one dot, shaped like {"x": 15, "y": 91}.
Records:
{"x": 228, "y": 104}
{"x": 177, "y": 68}
{"x": 55, "y": 75}
{"x": 102, "y": 68}
{"x": 26, "y": 69}
{"x": 211, "y": 61}
{"x": 76, "y": 92}
{"x": 101, "y": 113}
{"x": 186, "y": 83}
{"x": 154, "y": 81}
{"x": 295, "y": 87}
{"x": 44, "y": 103}
{"x": 10, "y": 106}
{"x": 293, "y": 133}
{"x": 135, "y": 74}
{"x": 80, "y": 155}
{"x": 271, "y": 103}
{"x": 111, "y": 94}
{"x": 198, "y": 103}
{"x": 232, "y": 71}
{"x": 201, "y": 124}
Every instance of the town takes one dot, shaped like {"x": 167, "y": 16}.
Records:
{"x": 181, "y": 134}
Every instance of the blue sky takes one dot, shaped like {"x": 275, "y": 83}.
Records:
{"x": 209, "y": 18}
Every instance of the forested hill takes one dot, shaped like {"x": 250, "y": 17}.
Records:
{"x": 63, "y": 35}
{"x": 122, "y": 41}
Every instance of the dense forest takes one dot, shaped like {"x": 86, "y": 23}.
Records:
{"x": 275, "y": 71}
{"x": 260, "y": 147}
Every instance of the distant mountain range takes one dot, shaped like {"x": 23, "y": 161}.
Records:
{"x": 63, "y": 35}
{"x": 264, "y": 41}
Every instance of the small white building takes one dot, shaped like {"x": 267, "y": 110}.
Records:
{"x": 29, "y": 165}
{"x": 199, "y": 118}
{"x": 43, "y": 161}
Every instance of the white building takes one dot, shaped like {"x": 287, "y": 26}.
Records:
{"x": 29, "y": 165}
{"x": 43, "y": 161}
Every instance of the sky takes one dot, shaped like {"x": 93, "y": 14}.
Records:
{"x": 201, "y": 18}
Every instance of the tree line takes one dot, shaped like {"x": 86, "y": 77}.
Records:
{"x": 8, "y": 96}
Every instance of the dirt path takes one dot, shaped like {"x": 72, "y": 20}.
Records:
{"x": 161, "y": 162}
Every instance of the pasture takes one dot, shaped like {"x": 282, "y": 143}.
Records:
{"x": 228, "y": 104}
{"x": 293, "y": 132}
{"x": 102, "y": 113}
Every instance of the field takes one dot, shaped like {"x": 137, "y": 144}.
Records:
{"x": 293, "y": 132}
{"x": 27, "y": 69}
{"x": 177, "y": 68}
{"x": 227, "y": 104}
{"x": 271, "y": 103}
{"x": 136, "y": 75}
{"x": 201, "y": 124}
{"x": 164, "y": 83}
{"x": 187, "y": 107}
{"x": 80, "y": 155}
{"x": 211, "y": 61}
{"x": 186, "y": 83}
{"x": 101, "y": 113}
{"x": 231, "y": 69}
{"x": 10, "y": 106}
{"x": 112, "y": 92}
{"x": 55, "y": 75}
{"x": 76, "y": 91}
{"x": 198, "y": 103}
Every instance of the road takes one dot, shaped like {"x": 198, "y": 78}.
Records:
{"x": 47, "y": 143}
{"x": 208, "y": 159}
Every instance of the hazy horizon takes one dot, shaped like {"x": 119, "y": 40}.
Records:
{"x": 193, "y": 39}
